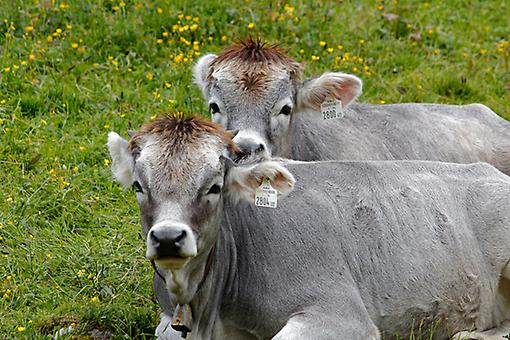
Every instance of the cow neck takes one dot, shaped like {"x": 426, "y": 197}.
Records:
{"x": 220, "y": 282}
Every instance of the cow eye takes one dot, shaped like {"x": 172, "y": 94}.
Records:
{"x": 214, "y": 108}
{"x": 286, "y": 109}
{"x": 215, "y": 189}
{"x": 137, "y": 187}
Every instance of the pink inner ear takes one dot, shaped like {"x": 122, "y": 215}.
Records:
{"x": 343, "y": 87}
{"x": 345, "y": 90}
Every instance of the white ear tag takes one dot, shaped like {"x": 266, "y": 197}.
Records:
{"x": 331, "y": 108}
{"x": 266, "y": 195}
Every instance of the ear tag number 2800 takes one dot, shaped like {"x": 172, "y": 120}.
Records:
{"x": 266, "y": 195}
{"x": 331, "y": 108}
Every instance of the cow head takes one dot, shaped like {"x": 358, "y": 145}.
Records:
{"x": 255, "y": 88}
{"x": 177, "y": 169}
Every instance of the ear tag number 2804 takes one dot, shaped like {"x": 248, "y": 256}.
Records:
{"x": 266, "y": 195}
{"x": 331, "y": 108}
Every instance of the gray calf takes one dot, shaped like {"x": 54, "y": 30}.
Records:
{"x": 357, "y": 250}
{"x": 255, "y": 88}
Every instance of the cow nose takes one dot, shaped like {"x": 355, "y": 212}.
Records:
{"x": 249, "y": 147}
{"x": 168, "y": 241}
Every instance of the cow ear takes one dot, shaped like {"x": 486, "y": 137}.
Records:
{"x": 341, "y": 86}
{"x": 242, "y": 181}
{"x": 201, "y": 72}
{"x": 122, "y": 159}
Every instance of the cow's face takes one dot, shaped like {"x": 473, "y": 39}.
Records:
{"x": 180, "y": 177}
{"x": 255, "y": 89}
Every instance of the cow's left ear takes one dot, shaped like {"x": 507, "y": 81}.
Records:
{"x": 122, "y": 159}
{"x": 201, "y": 71}
{"x": 242, "y": 181}
{"x": 341, "y": 86}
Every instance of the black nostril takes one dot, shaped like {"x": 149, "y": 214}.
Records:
{"x": 260, "y": 148}
{"x": 179, "y": 238}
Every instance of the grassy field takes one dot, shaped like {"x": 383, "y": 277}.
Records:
{"x": 71, "y": 251}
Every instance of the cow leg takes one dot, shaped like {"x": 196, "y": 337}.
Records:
{"x": 499, "y": 333}
{"x": 317, "y": 325}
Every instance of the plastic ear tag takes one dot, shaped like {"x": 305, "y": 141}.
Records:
{"x": 331, "y": 108}
{"x": 266, "y": 195}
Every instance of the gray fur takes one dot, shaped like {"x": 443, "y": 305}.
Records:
{"x": 395, "y": 244}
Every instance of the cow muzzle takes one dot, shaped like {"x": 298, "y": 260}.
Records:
{"x": 252, "y": 148}
{"x": 171, "y": 245}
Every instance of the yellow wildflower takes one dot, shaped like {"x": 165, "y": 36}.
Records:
{"x": 223, "y": 38}
{"x": 29, "y": 29}
{"x": 122, "y": 4}
{"x": 149, "y": 76}
{"x": 74, "y": 45}
{"x": 193, "y": 27}
{"x": 159, "y": 10}
{"x": 94, "y": 299}
{"x": 159, "y": 41}
{"x": 165, "y": 34}
{"x": 106, "y": 162}
{"x": 315, "y": 58}
{"x": 330, "y": 50}
{"x": 7, "y": 69}
{"x": 322, "y": 43}
{"x": 63, "y": 6}
{"x": 251, "y": 25}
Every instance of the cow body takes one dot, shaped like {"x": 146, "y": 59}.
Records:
{"x": 459, "y": 134}
{"x": 361, "y": 250}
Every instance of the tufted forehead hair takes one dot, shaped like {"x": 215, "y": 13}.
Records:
{"x": 248, "y": 52}
{"x": 177, "y": 132}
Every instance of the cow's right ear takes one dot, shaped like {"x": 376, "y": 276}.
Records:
{"x": 201, "y": 71}
{"x": 122, "y": 159}
{"x": 242, "y": 181}
{"x": 341, "y": 86}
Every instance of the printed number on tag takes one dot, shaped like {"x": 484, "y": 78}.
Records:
{"x": 331, "y": 109}
{"x": 266, "y": 195}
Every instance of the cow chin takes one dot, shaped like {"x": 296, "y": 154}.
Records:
{"x": 171, "y": 262}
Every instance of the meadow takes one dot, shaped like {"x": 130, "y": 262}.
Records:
{"x": 71, "y": 250}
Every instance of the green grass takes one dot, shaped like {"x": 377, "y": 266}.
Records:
{"x": 71, "y": 249}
